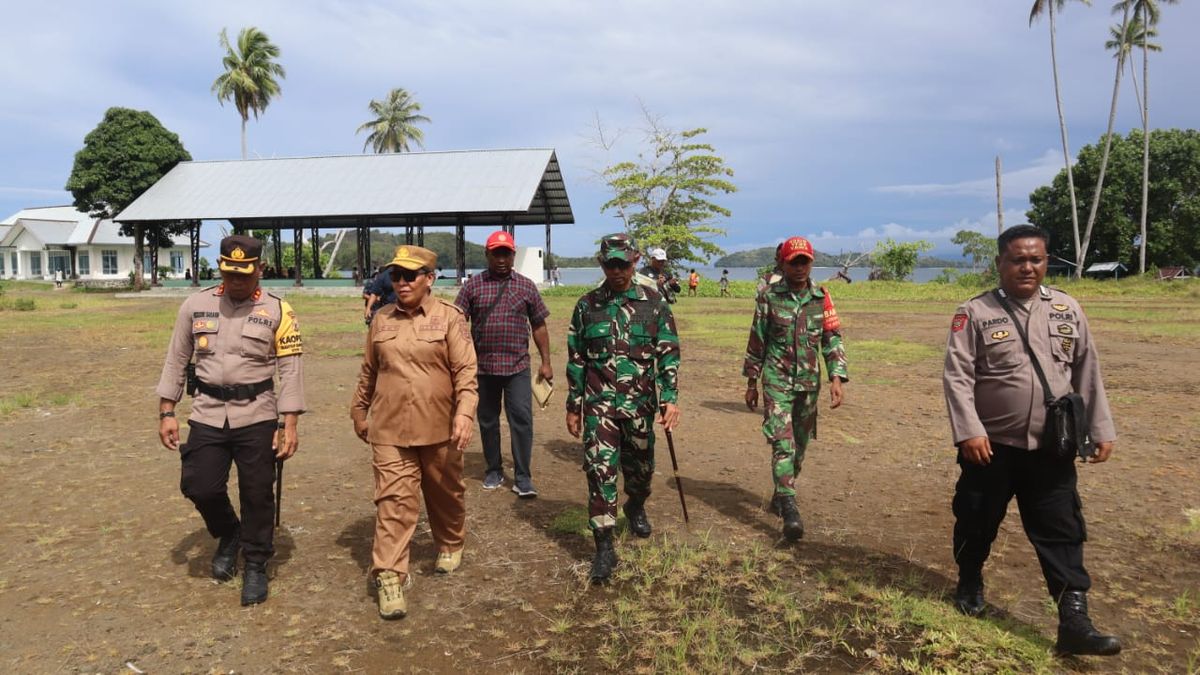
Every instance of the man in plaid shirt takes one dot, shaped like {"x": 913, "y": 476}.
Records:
{"x": 503, "y": 306}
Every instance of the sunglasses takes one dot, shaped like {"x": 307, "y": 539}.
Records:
{"x": 399, "y": 273}
{"x": 615, "y": 264}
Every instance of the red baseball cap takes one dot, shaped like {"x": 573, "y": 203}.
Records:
{"x": 500, "y": 239}
{"x": 796, "y": 246}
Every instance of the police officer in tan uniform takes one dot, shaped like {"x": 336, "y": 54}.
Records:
{"x": 997, "y": 414}
{"x": 415, "y": 404}
{"x": 241, "y": 337}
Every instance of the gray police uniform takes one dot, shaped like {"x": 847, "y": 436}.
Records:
{"x": 992, "y": 390}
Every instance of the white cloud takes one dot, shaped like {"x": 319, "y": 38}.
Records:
{"x": 1022, "y": 181}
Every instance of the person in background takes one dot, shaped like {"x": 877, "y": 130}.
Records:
{"x": 377, "y": 294}
{"x": 693, "y": 283}
{"x": 504, "y": 307}
{"x": 660, "y": 272}
{"x": 724, "y": 283}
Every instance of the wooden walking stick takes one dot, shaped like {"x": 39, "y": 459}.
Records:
{"x": 675, "y": 470}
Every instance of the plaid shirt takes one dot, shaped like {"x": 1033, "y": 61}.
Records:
{"x": 502, "y": 342}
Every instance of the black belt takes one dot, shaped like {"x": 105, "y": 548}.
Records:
{"x": 234, "y": 392}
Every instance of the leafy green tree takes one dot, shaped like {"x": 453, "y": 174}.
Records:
{"x": 896, "y": 260}
{"x": 250, "y": 75}
{"x": 395, "y": 123}
{"x": 127, "y": 152}
{"x": 1173, "y": 221}
{"x": 663, "y": 198}
{"x": 1049, "y": 7}
{"x": 979, "y": 247}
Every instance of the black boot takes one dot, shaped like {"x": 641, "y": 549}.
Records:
{"x": 224, "y": 562}
{"x": 254, "y": 584}
{"x": 968, "y": 597}
{"x": 606, "y": 557}
{"x": 793, "y": 527}
{"x": 1076, "y": 634}
{"x": 635, "y": 511}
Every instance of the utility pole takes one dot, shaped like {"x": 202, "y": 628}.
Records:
{"x": 999, "y": 201}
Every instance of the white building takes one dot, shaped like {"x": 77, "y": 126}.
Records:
{"x": 36, "y": 243}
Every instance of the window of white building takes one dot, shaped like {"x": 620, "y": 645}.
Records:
{"x": 108, "y": 259}
{"x": 35, "y": 264}
{"x": 177, "y": 261}
{"x": 85, "y": 263}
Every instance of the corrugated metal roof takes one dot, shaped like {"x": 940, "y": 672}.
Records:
{"x": 1105, "y": 267}
{"x": 481, "y": 186}
{"x": 67, "y": 226}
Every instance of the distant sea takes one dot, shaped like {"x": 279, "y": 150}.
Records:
{"x": 572, "y": 276}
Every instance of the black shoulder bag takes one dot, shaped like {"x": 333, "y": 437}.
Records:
{"x": 1066, "y": 433}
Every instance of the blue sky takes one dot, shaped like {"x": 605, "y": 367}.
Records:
{"x": 844, "y": 121}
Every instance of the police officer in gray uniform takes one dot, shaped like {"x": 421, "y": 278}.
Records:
{"x": 241, "y": 337}
{"x": 997, "y": 413}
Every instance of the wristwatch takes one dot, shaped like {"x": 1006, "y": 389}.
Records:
{"x": 165, "y": 414}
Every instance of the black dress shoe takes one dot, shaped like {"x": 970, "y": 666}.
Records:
{"x": 1076, "y": 634}
{"x": 968, "y": 598}
{"x": 254, "y": 584}
{"x": 605, "y": 559}
{"x": 639, "y": 523}
{"x": 224, "y": 561}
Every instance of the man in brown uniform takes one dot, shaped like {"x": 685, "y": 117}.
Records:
{"x": 997, "y": 414}
{"x": 241, "y": 337}
{"x": 418, "y": 384}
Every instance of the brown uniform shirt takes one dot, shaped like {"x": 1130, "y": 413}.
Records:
{"x": 418, "y": 372}
{"x": 236, "y": 343}
{"x": 990, "y": 385}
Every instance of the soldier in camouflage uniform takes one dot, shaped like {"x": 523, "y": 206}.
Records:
{"x": 620, "y": 344}
{"x": 792, "y": 319}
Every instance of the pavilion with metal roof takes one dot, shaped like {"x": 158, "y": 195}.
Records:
{"x": 493, "y": 188}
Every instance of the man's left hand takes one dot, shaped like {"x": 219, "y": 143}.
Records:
{"x": 669, "y": 417}
{"x": 1103, "y": 452}
{"x": 546, "y": 372}
{"x": 464, "y": 427}
{"x": 286, "y": 441}
{"x": 836, "y": 395}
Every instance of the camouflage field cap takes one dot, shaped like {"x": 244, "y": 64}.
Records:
{"x": 619, "y": 246}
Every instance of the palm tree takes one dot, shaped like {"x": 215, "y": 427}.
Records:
{"x": 1049, "y": 7}
{"x": 395, "y": 123}
{"x": 1149, "y": 13}
{"x": 249, "y": 77}
{"x": 1132, "y": 37}
{"x": 1120, "y": 45}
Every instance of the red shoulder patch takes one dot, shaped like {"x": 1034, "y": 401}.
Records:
{"x": 959, "y": 322}
{"x": 831, "y": 322}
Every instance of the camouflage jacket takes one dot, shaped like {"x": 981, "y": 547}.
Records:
{"x": 618, "y": 346}
{"x": 787, "y": 331}
{"x": 667, "y": 287}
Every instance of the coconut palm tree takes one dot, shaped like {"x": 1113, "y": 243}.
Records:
{"x": 395, "y": 123}
{"x": 1120, "y": 45}
{"x": 250, "y": 75}
{"x": 1049, "y": 7}
{"x": 1149, "y": 13}
{"x": 1131, "y": 39}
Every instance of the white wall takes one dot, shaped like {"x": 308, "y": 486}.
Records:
{"x": 530, "y": 262}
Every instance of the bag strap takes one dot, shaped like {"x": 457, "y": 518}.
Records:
{"x": 477, "y": 325}
{"x": 1037, "y": 366}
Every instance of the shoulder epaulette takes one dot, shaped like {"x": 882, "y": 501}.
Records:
{"x": 451, "y": 304}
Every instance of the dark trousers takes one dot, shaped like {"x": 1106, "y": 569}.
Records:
{"x": 206, "y": 458}
{"x": 1051, "y": 513}
{"x": 517, "y": 394}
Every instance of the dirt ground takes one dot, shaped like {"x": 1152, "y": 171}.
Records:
{"x": 105, "y": 565}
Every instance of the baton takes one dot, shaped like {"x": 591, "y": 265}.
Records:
{"x": 675, "y": 470}
{"x": 278, "y": 489}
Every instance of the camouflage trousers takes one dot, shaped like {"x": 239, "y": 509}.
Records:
{"x": 789, "y": 422}
{"x": 608, "y": 444}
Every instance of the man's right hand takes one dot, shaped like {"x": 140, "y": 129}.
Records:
{"x": 360, "y": 429}
{"x": 574, "y": 424}
{"x": 751, "y": 395}
{"x": 977, "y": 450}
{"x": 168, "y": 433}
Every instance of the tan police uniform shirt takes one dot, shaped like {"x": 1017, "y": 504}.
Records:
{"x": 418, "y": 372}
{"x": 236, "y": 343}
{"x": 990, "y": 385}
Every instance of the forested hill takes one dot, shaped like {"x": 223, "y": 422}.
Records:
{"x": 383, "y": 246}
{"x": 760, "y": 257}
